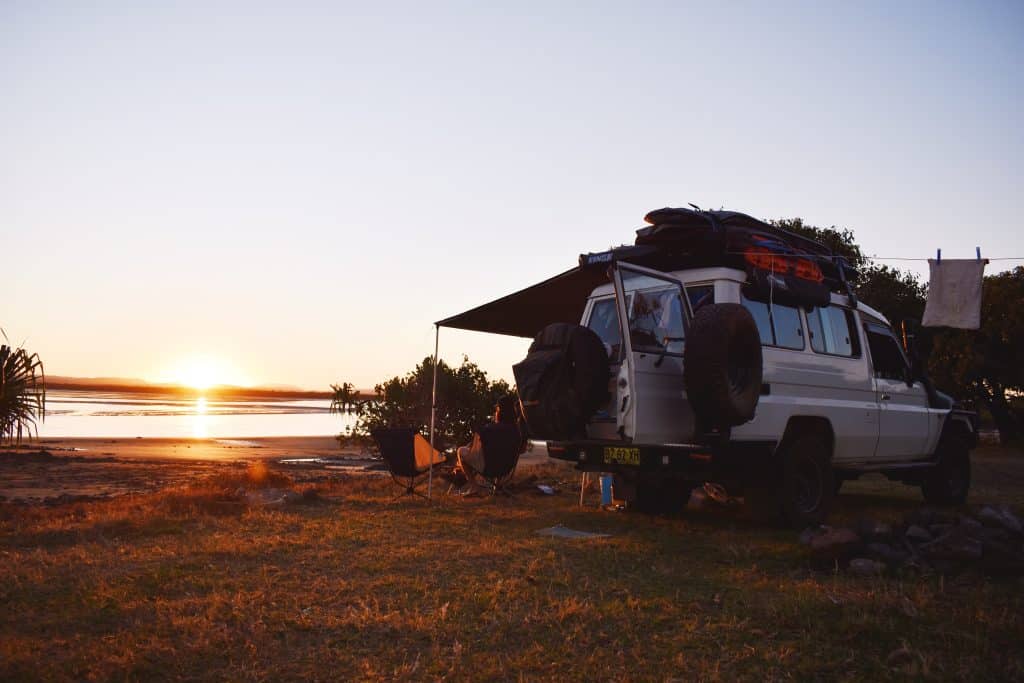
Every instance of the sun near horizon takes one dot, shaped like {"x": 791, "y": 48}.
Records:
{"x": 204, "y": 372}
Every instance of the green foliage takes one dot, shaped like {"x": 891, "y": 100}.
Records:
{"x": 988, "y": 364}
{"x": 465, "y": 400}
{"x": 897, "y": 294}
{"x": 22, "y": 393}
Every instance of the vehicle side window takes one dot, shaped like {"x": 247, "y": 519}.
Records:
{"x": 604, "y": 321}
{"x": 656, "y": 321}
{"x": 764, "y": 321}
{"x": 832, "y": 330}
{"x": 778, "y": 325}
{"x": 789, "y": 333}
{"x": 886, "y": 355}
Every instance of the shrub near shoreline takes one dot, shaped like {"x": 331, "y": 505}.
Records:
{"x": 22, "y": 392}
{"x": 465, "y": 400}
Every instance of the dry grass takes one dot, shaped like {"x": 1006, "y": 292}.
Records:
{"x": 173, "y": 585}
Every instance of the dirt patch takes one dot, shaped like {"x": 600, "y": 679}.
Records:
{"x": 58, "y": 471}
{"x": 43, "y": 477}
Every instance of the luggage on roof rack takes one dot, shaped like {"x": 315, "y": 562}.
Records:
{"x": 669, "y": 224}
{"x": 795, "y": 268}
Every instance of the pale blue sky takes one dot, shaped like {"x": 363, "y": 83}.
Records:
{"x": 296, "y": 192}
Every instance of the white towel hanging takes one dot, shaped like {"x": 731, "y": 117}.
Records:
{"x": 954, "y": 293}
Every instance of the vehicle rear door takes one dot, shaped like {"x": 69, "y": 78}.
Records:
{"x": 603, "y": 319}
{"x": 654, "y": 315}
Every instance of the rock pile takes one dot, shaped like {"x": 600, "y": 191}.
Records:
{"x": 990, "y": 540}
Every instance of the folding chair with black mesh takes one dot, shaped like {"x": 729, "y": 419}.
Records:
{"x": 398, "y": 447}
{"x": 502, "y": 445}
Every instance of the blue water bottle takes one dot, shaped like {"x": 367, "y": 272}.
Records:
{"x": 606, "y": 489}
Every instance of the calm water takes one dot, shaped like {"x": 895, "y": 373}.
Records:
{"x": 124, "y": 415}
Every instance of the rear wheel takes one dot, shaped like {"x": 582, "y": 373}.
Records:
{"x": 803, "y": 492}
{"x": 949, "y": 481}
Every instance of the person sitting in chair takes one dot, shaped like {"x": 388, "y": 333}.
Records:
{"x": 506, "y": 423}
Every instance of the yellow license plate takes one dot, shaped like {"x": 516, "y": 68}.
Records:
{"x": 622, "y": 456}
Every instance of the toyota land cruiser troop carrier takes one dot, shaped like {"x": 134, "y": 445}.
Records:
{"x": 722, "y": 349}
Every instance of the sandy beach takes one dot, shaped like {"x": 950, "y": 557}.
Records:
{"x": 51, "y": 471}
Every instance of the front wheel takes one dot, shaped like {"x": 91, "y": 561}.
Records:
{"x": 949, "y": 481}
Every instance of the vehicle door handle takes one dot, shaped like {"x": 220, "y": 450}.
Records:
{"x": 886, "y": 397}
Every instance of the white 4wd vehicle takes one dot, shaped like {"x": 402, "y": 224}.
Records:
{"x": 722, "y": 349}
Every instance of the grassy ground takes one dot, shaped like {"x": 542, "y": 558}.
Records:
{"x": 178, "y": 584}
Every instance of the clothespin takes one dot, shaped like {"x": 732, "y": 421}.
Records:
{"x": 977, "y": 252}
{"x": 938, "y": 256}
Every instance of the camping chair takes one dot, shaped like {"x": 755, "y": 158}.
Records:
{"x": 408, "y": 456}
{"x": 502, "y": 448}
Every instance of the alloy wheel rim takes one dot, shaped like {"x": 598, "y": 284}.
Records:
{"x": 807, "y": 492}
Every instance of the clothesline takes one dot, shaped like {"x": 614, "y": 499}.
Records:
{"x": 907, "y": 258}
{"x": 870, "y": 258}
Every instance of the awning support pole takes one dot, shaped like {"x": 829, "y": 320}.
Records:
{"x": 433, "y": 412}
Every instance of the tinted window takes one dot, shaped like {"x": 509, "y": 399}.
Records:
{"x": 832, "y": 331}
{"x": 604, "y": 320}
{"x": 789, "y": 333}
{"x": 816, "y": 330}
{"x": 764, "y": 322}
{"x": 886, "y": 354}
{"x": 656, "y": 321}
{"x": 778, "y": 325}
{"x": 700, "y": 295}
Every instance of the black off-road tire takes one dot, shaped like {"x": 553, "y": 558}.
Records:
{"x": 723, "y": 365}
{"x": 802, "y": 492}
{"x": 562, "y": 381}
{"x": 808, "y": 481}
{"x": 950, "y": 480}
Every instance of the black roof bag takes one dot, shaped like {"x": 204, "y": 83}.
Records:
{"x": 728, "y": 235}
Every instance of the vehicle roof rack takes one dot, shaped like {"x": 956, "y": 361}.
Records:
{"x": 678, "y": 238}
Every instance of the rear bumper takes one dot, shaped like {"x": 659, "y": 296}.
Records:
{"x": 724, "y": 461}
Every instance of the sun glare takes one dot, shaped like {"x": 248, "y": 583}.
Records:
{"x": 200, "y": 421}
{"x": 204, "y": 372}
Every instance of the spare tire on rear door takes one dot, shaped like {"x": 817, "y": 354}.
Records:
{"x": 722, "y": 365}
{"x": 562, "y": 381}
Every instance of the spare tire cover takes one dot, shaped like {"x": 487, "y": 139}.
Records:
{"x": 723, "y": 365}
{"x": 562, "y": 381}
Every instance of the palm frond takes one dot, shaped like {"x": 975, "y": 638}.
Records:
{"x": 22, "y": 393}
